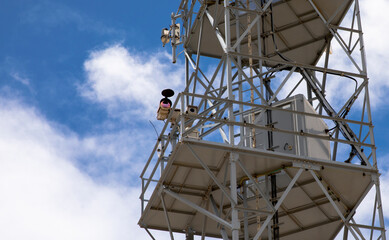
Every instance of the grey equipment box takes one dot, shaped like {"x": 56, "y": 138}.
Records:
{"x": 300, "y": 145}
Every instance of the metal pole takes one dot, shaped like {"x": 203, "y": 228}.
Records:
{"x": 250, "y": 52}
{"x": 218, "y": 213}
{"x": 187, "y": 76}
{"x": 324, "y": 81}
{"x": 373, "y": 219}
{"x": 240, "y": 87}
{"x": 234, "y": 194}
{"x": 269, "y": 236}
{"x": 379, "y": 207}
{"x": 166, "y": 217}
{"x": 276, "y": 229}
{"x": 148, "y": 232}
{"x": 182, "y": 120}
{"x": 174, "y": 38}
{"x": 361, "y": 41}
{"x": 245, "y": 221}
{"x": 189, "y": 234}
{"x": 345, "y": 233}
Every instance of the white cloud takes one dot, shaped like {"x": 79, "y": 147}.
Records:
{"x": 44, "y": 196}
{"x": 121, "y": 79}
{"x": 375, "y": 19}
{"x": 23, "y": 80}
{"x": 16, "y": 71}
{"x": 339, "y": 89}
{"x": 115, "y": 157}
{"x": 364, "y": 213}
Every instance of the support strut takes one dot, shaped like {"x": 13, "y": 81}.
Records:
{"x": 276, "y": 229}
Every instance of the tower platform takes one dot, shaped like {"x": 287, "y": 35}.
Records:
{"x": 300, "y": 34}
{"x": 305, "y": 213}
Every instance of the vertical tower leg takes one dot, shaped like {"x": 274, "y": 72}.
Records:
{"x": 276, "y": 229}
{"x": 234, "y": 194}
{"x": 379, "y": 208}
{"x": 234, "y": 213}
{"x": 345, "y": 233}
{"x": 189, "y": 234}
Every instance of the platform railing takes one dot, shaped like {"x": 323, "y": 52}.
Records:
{"x": 213, "y": 118}
{"x": 157, "y": 159}
{"x": 211, "y": 123}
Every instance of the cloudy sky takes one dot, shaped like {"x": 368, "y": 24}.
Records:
{"x": 79, "y": 81}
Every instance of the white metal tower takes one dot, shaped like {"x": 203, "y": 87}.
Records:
{"x": 272, "y": 138}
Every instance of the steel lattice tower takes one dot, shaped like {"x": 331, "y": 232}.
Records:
{"x": 259, "y": 147}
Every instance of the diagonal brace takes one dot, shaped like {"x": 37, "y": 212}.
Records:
{"x": 212, "y": 175}
{"x": 198, "y": 208}
{"x": 245, "y": 32}
{"x": 257, "y": 186}
{"x": 280, "y": 201}
{"x": 333, "y": 203}
{"x": 167, "y": 217}
{"x": 217, "y": 31}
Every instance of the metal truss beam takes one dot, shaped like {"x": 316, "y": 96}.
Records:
{"x": 197, "y": 208}
{"x": 212, "y": 175}
{"x": 264, "y": 196}
{"x": 340, "y": 214}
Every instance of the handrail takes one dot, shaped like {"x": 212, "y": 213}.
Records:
{"x": 149, "y": 179}
{"x": 279, "y": 109}
{"x": 160, "y": 136}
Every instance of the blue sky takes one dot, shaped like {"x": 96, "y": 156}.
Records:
{"x": 78, "y": 80}
{"x": 47, "y": 43}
